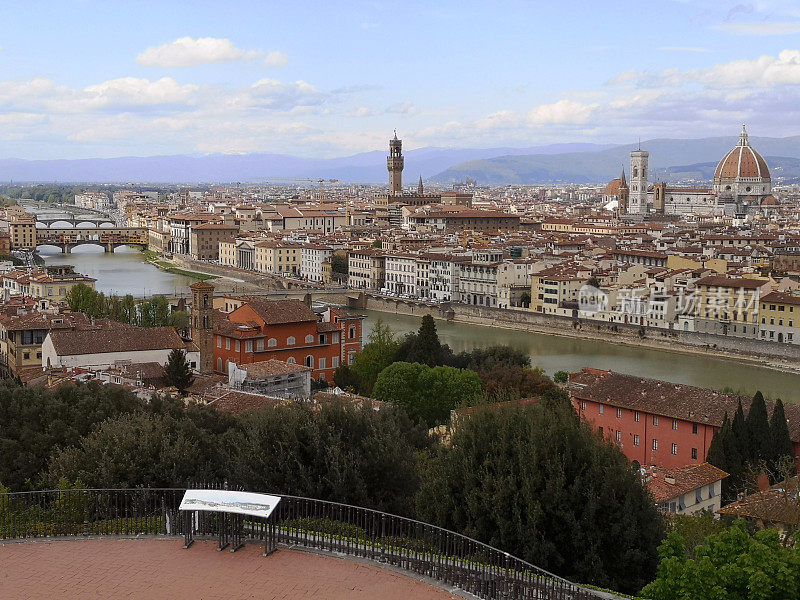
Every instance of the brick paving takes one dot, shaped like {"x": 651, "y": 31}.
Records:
{"x": 162, "y": 569}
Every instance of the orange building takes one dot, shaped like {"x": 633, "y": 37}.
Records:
{"x": 657, "y": 422}
{"x": 289, "y": 331}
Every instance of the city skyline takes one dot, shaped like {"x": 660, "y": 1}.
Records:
{"x": 103, "y": 79}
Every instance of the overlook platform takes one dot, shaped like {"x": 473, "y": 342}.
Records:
{"x": 153, "y": 568}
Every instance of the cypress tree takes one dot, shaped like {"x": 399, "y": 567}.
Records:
{"x": 716, "y": 450}
{"x": 732, "y": 484}
{"x": 758, "y": 434}
{"x": 740, "y": 435}
{"x": 780, "y": 442}
{"x": 178, "y": 371}
{"x": 428, "y": 348}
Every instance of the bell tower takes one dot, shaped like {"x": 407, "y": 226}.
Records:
{"x": 202, "y": 323}
{"x": 394, "y": 163}
{"x": 637, "y": 199}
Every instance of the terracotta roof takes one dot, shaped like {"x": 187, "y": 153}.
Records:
{"x": 672, "y": 400}
{"x": 742, "y": 161}
{"x": 274, "y": 312}
{"x": 665, "y": 484}
{"x": 121, "y": 339}
{"x": 778, "y": 504}
{"x": 721, "y": 280}
{"x": 781, "y": 298}
{"x": 272, "y": 368}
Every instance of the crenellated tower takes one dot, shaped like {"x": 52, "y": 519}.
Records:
{"x": 394, "y": 163}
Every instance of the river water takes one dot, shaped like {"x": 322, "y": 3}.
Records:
{"x": 124, "y": 271}
{"x": 554, "y": 353}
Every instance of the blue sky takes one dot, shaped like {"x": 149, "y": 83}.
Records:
{"x": 81, "y": 79}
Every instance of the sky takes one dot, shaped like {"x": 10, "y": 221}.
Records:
{"x": 91, "y": 78}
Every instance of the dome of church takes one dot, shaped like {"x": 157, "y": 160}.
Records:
{"x": 769, "y": 201}
{"x": 612, "y": 189}
{"x": 742, "y": 162}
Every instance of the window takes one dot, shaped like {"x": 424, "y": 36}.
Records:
{"x": 219, "y": 364}
{"x": 272, "y": 342}
{"x": 681, "y": 503}
{"x": 583, "y": 405}
{"x": 238, "y": 346}
{"x": 309, "y": 339}
{"x": 290, "y": 341}
{"x": 260, "y": 344}
{"x": 694, "y": 428}
{"x": 219, "y": 341}
{"x": 655, "y": 420}
{"x": 655, "y": 444}
{"x": 291, "y": 360}
{"x": 309, "y": 361}
{"x": 601, "y": 409}
{"x": 619, "y": 436}
{"x": 635, "y": 440}
{"x": 351, "y": 332}
{"x": 335, "y": 362}
{"x": 227, "y": 343}
{"x": 636, "y": 416}
{"x": 351, "y": 357}
{"x": 674, "y": 448}
{"x": 322, "y": 363}
{"x": 698, "y": 496}
{"x": 248, "y": 346}
{"x": 323, "y": 339}
{"x": 711, "y": 490}
{"x": 674, "y": 423}
{"x": 619, "y": 413}
{"x": 694, "y": 453}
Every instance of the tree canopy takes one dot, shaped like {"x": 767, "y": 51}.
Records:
{"x": 427, "y": 393}
{"x": 178, "y": 371}
{"x": 153, "y": 312}
{"x": 730, "y": 565}
{"x": 538, "y": 483}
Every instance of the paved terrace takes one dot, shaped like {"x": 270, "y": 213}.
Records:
{"x": 159, "y": 568}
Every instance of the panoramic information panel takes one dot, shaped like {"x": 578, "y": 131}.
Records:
{"x": 230, "y": 501}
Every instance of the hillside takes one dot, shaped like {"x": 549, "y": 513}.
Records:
{"x": 701, "y": 157}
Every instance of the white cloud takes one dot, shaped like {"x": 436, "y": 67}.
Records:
{"x": 497, "y": 120}
{"x": 189, "y": 52}
{"x": 763, "y": 28}
{"x": 765, "y": 71}
{"x": 135, "y": 91}
{"x": 275, "y": 59}
{"x": 403, "y": 108}
{"x": 563, "y": 111}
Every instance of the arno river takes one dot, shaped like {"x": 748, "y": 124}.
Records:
{"x": 126, "y": 272}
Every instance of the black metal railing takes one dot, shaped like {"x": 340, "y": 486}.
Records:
{"x": 431, "y": 551}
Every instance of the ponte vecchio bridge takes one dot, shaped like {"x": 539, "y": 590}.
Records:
{"x": 109, "y": 238}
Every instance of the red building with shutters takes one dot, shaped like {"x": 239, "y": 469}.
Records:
{"x": 657, "y": 422}
{"x": 289, "y": 331}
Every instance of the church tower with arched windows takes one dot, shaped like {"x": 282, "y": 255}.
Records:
{"x": 202, "y": 323}
{"x": 637, "y": 195}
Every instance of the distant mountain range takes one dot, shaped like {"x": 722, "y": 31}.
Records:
{"x": 671, "y": 160}
{"x": 700, "y": 157}
{"x": 368, "y": 167}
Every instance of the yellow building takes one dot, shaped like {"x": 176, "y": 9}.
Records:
{"x": 552, "y": 288}
{"x": 729, "y": 306}
{"x": 56, "y": 286}
{"x": 278, "y": 258}
{"x": 780, "y": 318}
{"x": 22, "y": 229}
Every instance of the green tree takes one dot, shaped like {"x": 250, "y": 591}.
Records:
{"x": 540, "y": 484}
{"x": 339, "y": 264}
{"x": 426, "y": 393}
{"x": 780, "y": 442}
{"x": 81, "y": 298}
{"x": 424, "y": 347}
{"x": 147, "y": 449}
{"x": 758, "y": 436}
{"x": 376, "y": 355}
{"x": 731, "y": 565}
{"x": 34, "y": 421}
{"x": 344, "y": 377}
{"x": 338, "y": 452}
{"x": 561, "y": 376}
{"x": 485, "y": 359}
{"x": 514, "y": 382}
{"x": 178, "y": 372}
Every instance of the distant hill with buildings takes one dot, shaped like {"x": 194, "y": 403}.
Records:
{"x": 699, "y": 155}
{"x": 367, "y": 167}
